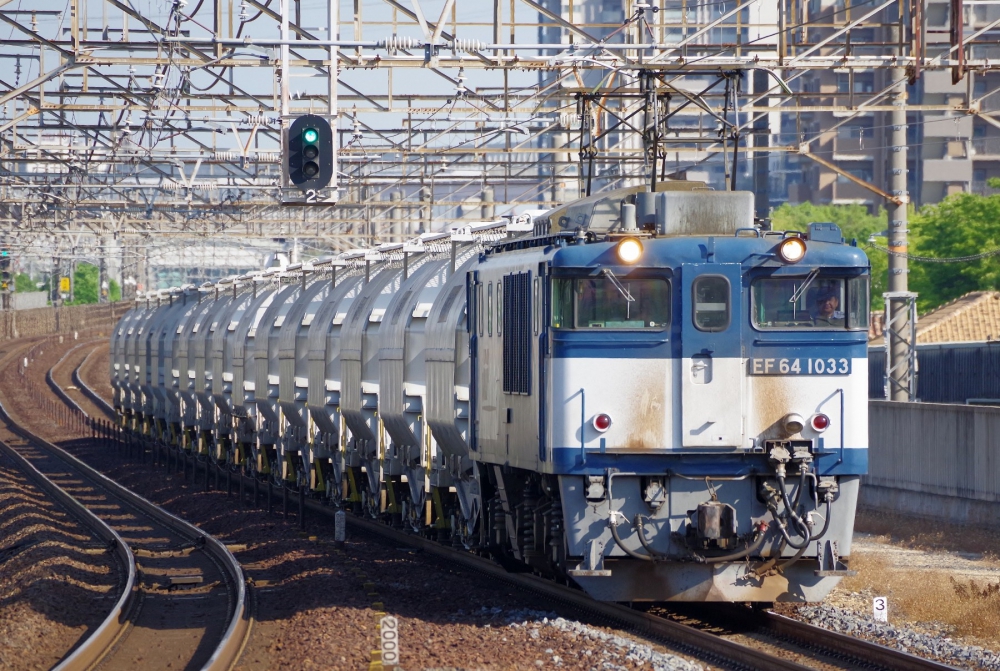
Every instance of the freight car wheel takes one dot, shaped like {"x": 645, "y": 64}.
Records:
{"x": 414, "y": 512}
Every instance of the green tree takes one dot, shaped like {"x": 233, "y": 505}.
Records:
{"x": 23, "y": 282}
{"x": 964, "y": 224}
{"x": 85, "y": 280}
{"x": 856, "y": 223}
{"x": 114, "y": 291}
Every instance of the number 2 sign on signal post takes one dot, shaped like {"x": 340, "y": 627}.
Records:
{"x": 880, "y": 608}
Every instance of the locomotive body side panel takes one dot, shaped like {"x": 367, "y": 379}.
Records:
{"x": 510, "y": 387}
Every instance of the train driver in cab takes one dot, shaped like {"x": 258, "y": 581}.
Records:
{"x": 825, "y": 308}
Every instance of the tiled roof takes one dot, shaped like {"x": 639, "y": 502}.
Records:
{"x": 974, "y": 317}
{"x": 876, "y": 326}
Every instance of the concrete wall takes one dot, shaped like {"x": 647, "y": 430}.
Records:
{"x": 934, "y": 459}
{"x": 28, "y": 300}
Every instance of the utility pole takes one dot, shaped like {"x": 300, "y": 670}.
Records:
{"x": 900, "y": 303}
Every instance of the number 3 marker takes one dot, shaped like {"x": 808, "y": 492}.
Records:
{"x": 880, "y": 608}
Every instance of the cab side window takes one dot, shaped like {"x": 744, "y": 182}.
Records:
{"x": 710, "y": 300}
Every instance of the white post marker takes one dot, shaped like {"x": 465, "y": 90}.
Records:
{"x": 339, "y": 528}
{"x": 389, "y": 627}
{"x": 880, "y": 608}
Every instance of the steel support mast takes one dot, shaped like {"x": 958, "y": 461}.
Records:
{"x": 900, "y": 315}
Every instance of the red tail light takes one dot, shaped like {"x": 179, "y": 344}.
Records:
{"x": 602, "y": 422}
{"x": 820, "y": 422}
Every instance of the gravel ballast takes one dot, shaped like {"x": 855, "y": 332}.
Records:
{"x": 919, "y": 643}
{"x": 57, "y": 582}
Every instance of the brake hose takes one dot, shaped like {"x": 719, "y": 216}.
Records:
{"x": 641, "y": 533}
{"x": 735, "y": 556}
{"x": 618, "y": 540}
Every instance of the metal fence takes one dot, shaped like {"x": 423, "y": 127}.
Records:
{"x": 947, "y": 373}
{"x": 50, "y": 320}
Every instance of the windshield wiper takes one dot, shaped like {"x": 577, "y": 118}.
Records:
{"x": 805, "y": 285}
{"x": 618, "y": 285}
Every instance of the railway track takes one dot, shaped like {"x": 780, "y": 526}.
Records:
{"x": 91, "y": 650}
{"x": 100, "y": 403}
{"x": 770, "y": 641}
{"x": 185, "y": 602}
{"x": 87, "y": 402}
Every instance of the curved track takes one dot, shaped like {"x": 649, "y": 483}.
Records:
{"x": 191, "y": 606}
{"x": 772, "y": 641}
{"x": 89, "y": 651}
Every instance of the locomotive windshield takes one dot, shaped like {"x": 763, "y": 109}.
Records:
{"x": 610, "y": 302}
{"x": 813, "y": 301}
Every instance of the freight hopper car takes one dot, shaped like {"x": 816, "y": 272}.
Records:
{"x": 641, "y": 392}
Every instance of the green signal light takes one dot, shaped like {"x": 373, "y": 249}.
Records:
{"x": 310, "y": 135}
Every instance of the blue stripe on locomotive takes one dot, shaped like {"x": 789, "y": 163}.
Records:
{"x": 666, "y": 255}
{"x": 571, "y": 461}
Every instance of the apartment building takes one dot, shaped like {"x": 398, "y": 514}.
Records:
{"x": 948, "y": 152}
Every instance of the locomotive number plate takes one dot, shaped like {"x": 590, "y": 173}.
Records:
{"x": 800, "y": 366}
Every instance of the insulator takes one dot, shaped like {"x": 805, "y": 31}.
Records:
{"x": 467, "y": 45}
{"x": 398, "y": 42}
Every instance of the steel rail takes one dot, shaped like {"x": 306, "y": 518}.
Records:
{"x": 671, "y": 631}
{"x": 847, "y": 645}
{"x": 88, "y": 652}
{"x": 227, "y": 651}
{"x": 96, "y": 398}
{"x": 810, "y": 636}
{"x": 59, "y": 391}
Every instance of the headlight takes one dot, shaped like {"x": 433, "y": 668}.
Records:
{"x": 629, "y": 250}
{"x": 793, "y": 423}
{"x": 791, "y": 250}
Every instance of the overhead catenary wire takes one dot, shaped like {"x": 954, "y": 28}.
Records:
{"x": 936, "y": 259}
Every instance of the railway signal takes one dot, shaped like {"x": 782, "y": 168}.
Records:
{"x": 5, "y": 276}
{"x": 309, "y": 155}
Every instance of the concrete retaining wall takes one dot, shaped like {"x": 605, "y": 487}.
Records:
{"x": 29, "y": 300}
{"x": 935, "y": 460}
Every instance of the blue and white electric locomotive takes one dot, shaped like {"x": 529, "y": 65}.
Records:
{"x": 674, "y": 381}
{"x": 646, "y": 393}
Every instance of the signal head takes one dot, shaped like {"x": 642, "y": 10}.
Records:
{"x": 309, "y": 153}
